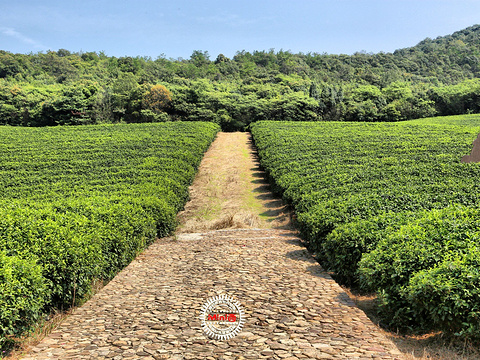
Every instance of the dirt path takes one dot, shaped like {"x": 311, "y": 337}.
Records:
{"x": 293, "y": 309}
{"x": 230, "y": 191}
{"x": 151, "y": 309}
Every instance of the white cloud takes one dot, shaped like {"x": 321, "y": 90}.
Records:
{"x": 25, "y": 39}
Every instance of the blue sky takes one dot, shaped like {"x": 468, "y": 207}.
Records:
{"x": 177, "y": 28}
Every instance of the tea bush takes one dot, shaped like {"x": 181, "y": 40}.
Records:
{"x": 414, "y": 258}
{"x": 450, "y": 293}
{"x": 384, "y": 205}
{"x": 79, "y": 203}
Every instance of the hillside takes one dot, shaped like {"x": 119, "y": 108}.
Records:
{"x": 450, "y": 58}
{"x": 435, "y": 77}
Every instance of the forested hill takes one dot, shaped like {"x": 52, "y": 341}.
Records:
{"x": 435, "y": 77}
{"x": 449, "y": 59}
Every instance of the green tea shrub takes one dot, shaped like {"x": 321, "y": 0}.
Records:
{"x": 369, "y": 200}
{"x": 450, "y": 293}
{"x": 421, "y": 245}
{"x": 23, "y": 294}
{"x": 345, "y": 245}
{"x": 79, "y": 203}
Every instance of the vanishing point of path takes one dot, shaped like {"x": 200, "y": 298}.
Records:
{"x": 234, "y": 239}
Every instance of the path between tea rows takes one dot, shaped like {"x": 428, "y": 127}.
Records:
{"x": 235, "y": 238}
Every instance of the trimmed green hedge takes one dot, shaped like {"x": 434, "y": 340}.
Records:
{"x": 23, "y": 293}
{"x": 450, "y": 293}
{"x": 412, "y": 259}
{"x": 79, "y": 203}
{"x": 344, "y": 247}
{"x": 389, "y": 208}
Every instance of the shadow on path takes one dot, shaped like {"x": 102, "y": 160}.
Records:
{"x": 278, "y": 213}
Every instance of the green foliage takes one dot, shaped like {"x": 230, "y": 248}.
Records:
{"x": 463, "y": 98}
{"x": 389, "y": 207}
{"x": 345, "y": 245}
{"x": 147, "y": 115}
{"x": 450, "y": 294}
{"x": 23, "y": 293}
{"x": 459, "y": 120}
{"x": 79, "y": 203}
{"x": 407, "y": 262}
{"x": 432, "y": 78}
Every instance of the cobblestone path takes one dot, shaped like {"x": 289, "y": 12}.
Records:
{"x": 293, "y": 309}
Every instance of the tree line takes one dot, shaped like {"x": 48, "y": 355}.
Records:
{"x": 436, "y": 77}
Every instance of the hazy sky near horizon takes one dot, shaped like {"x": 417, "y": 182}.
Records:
{"x": 177, "y": 28}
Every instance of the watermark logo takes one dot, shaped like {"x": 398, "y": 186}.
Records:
{"x": 222, "y": 317}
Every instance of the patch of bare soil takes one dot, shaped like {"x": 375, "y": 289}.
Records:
{"x": 230, "y": 190}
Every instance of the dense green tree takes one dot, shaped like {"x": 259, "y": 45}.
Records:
{"x": 221, "y": 59}
{"x": 200, "y": 58}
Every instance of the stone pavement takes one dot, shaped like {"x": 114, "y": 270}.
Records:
{"x": 293, "y": 309}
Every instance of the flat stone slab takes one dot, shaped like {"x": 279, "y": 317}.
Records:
{"x": 150, "y": 310}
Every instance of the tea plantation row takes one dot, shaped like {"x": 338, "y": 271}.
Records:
{"x": 388, "y": 207}
{"x": 78, "y": 203}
